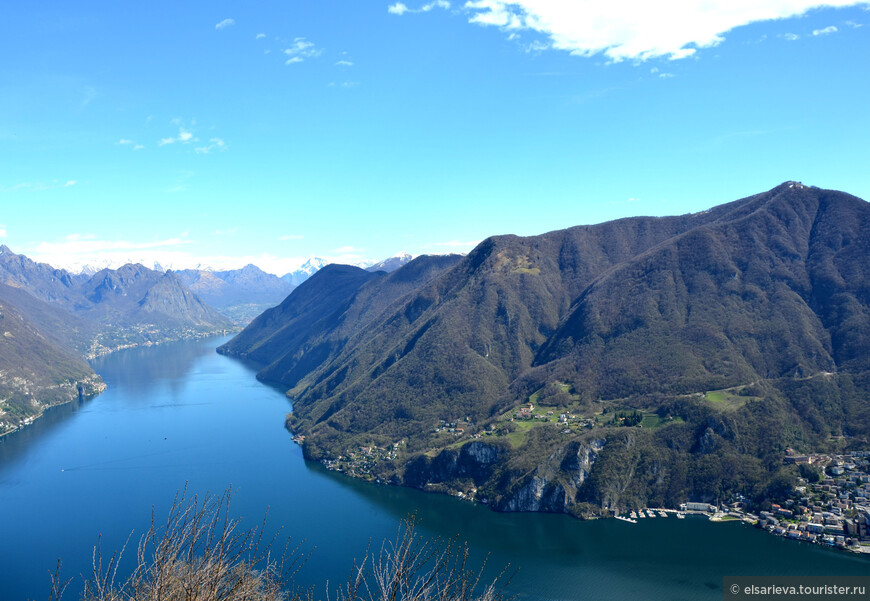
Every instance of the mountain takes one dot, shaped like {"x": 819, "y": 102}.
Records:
{"x": 391, "y": 264}
{"x": 314, "y": 323}
{"x": 240, "y": 294}
{"x": 309, "y": 268}
{"x": 685, "y": 354}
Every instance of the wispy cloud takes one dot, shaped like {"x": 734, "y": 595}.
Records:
{"x": 661, "y": 74}
{"x": 344, "y": 63}
{"x": 455, "y": 244}
{"x": 39, "y": 186}
{"x": 224, "y": 24}
{"x": 3, "y": 232}
{"x": 300, "y": 50}
{"x": 631, "y": 29}
{"x": 77, "y": 237}
{"x": 825, "y": 31}
{"x": 400, "y": 8}
{"x": 260, "y": 36}
{"x": 343, "y": 250}
{"x": 133, "y": 145}
{"x": 227, "y": 232}
{"x": 184, "y": 136}
{"x": 213, "y": 145}
{"x": 76, "y": 244}
{"x": 791, "y": 37}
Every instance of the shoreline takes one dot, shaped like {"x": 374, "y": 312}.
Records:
{"x": 101, "y": 387}
{"x": 718, "y": 516}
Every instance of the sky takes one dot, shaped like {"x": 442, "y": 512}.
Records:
{"x": 223, "y": 133}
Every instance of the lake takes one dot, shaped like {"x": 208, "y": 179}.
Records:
{"x": 180, "y": 414}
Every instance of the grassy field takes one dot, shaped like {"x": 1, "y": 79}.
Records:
{"x": 727, "y": 398}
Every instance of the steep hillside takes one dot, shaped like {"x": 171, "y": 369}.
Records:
{"x": 683, "y": 354}
{"x": 35, "y": 373}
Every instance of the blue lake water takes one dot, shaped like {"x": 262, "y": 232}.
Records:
{"x": 179, "y": 414}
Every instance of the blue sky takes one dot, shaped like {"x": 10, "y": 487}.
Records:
{"x": 222, "y": 133}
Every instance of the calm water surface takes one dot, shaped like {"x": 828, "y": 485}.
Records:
{"x": 181, "y": 414}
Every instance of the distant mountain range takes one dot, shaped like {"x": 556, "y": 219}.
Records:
{"x": 53, "y": 320}
{"x": 240, "y": 294}
{"x": 659, "y": 359}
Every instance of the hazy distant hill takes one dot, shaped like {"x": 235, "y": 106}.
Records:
{"x": 765, "y": 299}
{"x": 240, "y": 294}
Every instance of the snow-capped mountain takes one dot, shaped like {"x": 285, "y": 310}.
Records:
{"x": 308, "y": 269}
{"x": 391, "y": 264}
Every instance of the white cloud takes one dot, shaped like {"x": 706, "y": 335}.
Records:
{"x": 185, "y": 136}
{"x": 75, "y": 244}
{"x": 131, "y": 143}
{"x": 397, "y": 9}
{"x": 455, "y": 244}
{"x": 3, "y": 233}
{"x": 260, "y": 36}
{"x": 343, "y": 250}
{"x": 436, "y": 4}
{"x": 224, "y": 24}
{"x": 633, "y": 29}
{"x": 400, "y": 8}
{"x": 291, "y": 237}
{"x": 791, "y": 37}
{"x": 300, "y": 50}
{"x": 343, "y": 63}
{"x": 40, "y": 186}
{"x": 825, "y": 31}
{"x": 214, "y": 144}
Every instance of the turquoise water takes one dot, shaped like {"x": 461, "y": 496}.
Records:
{"x": 181, "y": 414}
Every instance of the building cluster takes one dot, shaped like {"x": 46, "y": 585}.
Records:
{"x": 360, "y": 463}
{"x": 835, "y": 510}
{"x": 527, "y": 412}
